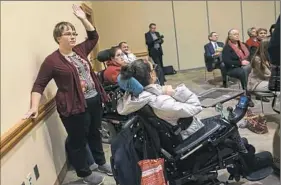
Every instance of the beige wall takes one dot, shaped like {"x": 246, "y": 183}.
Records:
{"x": 26, "y": 39}
{"x": 220, "y": 15}
{"x": 44, "y": 147}
{"x": 128, "y": 20}
{"x": 264, "y": 19}
{"x": 277, "y": 6}
{"x": 191, "y": 32}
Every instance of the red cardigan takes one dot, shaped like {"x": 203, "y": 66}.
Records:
{"x": 251, "y": 42}
{"x": 69, "y": 97}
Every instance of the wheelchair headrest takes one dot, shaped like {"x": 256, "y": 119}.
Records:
{"x": 130, "y": 85}
{"x": 103, "y": 56}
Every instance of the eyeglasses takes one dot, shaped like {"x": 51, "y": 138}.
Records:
{"x": 118, "y": 55}
{"x": 74, "y": 34}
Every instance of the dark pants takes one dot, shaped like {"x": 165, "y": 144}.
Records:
{"x": 241, "y": 73}
{"x": 157, "y": 58}
{"x": 83, "y": 128}
{"x": 220, "y": 65}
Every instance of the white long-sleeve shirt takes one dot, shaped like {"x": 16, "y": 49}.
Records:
{"x": 129, "y": 58}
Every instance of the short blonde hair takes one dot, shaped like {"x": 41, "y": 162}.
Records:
{"x": 60, "y": 27}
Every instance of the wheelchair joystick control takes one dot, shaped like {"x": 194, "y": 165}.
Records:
{"x": 231, "y": 114}
{"x": 239, "y": 112}
{"x": 230, "y": 111}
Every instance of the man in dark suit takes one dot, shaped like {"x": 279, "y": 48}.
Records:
{"x": 213, "y": 57}
{"x": 154, "y": 42}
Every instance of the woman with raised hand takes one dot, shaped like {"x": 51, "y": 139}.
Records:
{"x": 79, "y": 96}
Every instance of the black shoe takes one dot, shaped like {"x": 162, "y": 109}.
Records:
{"x": 251, "y": 103}
{"x": 264, "y": 99}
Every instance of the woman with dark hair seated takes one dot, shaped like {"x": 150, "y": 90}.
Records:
{"x": 113, "y": 65}
{"x": 235, "y": 57}
{"x": 167, "y": 103}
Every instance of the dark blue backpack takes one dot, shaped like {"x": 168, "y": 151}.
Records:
{"x": 124, "y": 159}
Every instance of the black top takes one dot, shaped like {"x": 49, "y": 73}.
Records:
{"x": 274, "y": 45}
{"x": 230, "y": 58}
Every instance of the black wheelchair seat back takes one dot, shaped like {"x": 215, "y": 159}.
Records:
{"x": 102, "y": 57}
{"x": 169, "y": 134}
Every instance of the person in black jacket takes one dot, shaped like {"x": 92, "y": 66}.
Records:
{"x": 235, "y": 56}
{"x": 274, "y": 45}
{"x": 154, "y": 42}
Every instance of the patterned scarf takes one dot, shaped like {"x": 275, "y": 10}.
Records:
{"x": 241, "y": 51}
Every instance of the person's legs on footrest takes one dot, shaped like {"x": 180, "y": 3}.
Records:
{"x": 254, "y": 162}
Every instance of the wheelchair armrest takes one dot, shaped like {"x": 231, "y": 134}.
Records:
{"x": 130, "y": 122}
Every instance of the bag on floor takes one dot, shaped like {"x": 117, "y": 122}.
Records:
{"x": 256, "y": 122}
{"x": 152, "y": 172}
{"x": 169, "y": 70}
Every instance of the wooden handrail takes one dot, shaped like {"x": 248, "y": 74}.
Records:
{"x": 10, "y": 138}
{"x": 141, "y": 54}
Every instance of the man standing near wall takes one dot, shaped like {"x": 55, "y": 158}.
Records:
{"x": 154, "y": 42}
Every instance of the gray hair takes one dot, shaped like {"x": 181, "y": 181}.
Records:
{"x": 249, "y": 31}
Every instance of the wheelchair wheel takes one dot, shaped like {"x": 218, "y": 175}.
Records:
{"x": 107, "y": 131}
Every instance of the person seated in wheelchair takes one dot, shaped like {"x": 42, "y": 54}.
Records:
{"x": 114, "y": 65}
{"x": 169, "y": 104}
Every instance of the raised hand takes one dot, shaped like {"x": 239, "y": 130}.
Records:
{"x": 78, "y": 12}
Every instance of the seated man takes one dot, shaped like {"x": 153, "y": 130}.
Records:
{"x": 167, "y": 103}
{"x": 127, "y": 55}
{"x": 213, "y": 55}
{"x": 113, "y": 65}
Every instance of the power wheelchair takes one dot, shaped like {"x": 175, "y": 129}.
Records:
{"x": 111, "y": 121}
{"x": 196, "y": 160}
